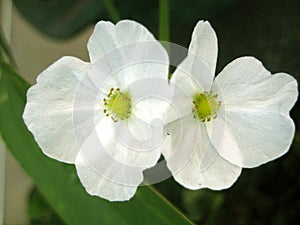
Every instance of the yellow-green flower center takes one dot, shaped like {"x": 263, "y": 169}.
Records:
{"x": 206, "y": 106}
{"x": 117, "y": 105}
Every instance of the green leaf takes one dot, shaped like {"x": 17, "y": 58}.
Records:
{"x": 63, "y": 19}
{"x": 59, "y": 183}
{"x": 5, "y": 51}
{"x": 40, "y": 212}
{"x": 60, "y": 19}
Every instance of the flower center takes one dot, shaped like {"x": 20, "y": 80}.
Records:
{"x": 206, "y": 106}
{"x": 117, "y": 105}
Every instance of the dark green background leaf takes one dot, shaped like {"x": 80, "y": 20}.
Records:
{"x": 60, "y": 19}
{"x": 40, "y": 212}
{"x": 59, "y": 183}
{"x": 63, "y": 19}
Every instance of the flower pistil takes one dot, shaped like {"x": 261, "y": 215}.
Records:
{"x": 206, "y": 106}
{"x": 117, "y": 105}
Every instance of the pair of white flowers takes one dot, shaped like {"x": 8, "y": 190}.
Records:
{"x": 101, "y": 116}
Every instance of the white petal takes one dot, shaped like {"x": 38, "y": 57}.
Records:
{"x": 197, "y": 70}
{"x": 192, "y": 159}
{"x": 109, "y": 165}
{"x": 251, "y": 138}
{"x": 255, "y": 126}
{"x": 151, "y": 99}
{"x": 102, "y": 40}
{"x": 131, "y": 143}
{"x": 204, "y": 44}
{"x": 49, "y": 110}
{"x": 183, "y": 90}
{"x": 184, "y": 85}
{"x": 183, "y": 80}
{"x": 107, "y": 37}
{"x": 142, "y": 60}
{"x": 102, "y": 185}
{"x": 126, "y": 52}
{"x": 193, "y": 75}
{"x": 246, "y": 84}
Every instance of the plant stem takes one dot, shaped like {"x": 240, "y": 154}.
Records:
{"x": 2, "y": 179}
{"x": 5, "y": 49}
{"x": 112, "y": 10}
{"x": 164, "y": 20}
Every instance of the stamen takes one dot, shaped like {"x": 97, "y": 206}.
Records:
{"x": 117, "y": 105}
{"x": 206, "y": 106}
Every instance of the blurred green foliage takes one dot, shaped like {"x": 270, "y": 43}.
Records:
{"x": 40, "y": 212}
{"x": 266, "y": 29}
{"x": 63, "y": 19}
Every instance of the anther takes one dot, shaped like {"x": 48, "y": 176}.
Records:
{"x": 205, "y": 106}
{"x": 117, "y": 105}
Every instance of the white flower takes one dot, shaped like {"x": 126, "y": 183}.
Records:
{"x": 238, "y": 120}
{"x": 96, "y": 115}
